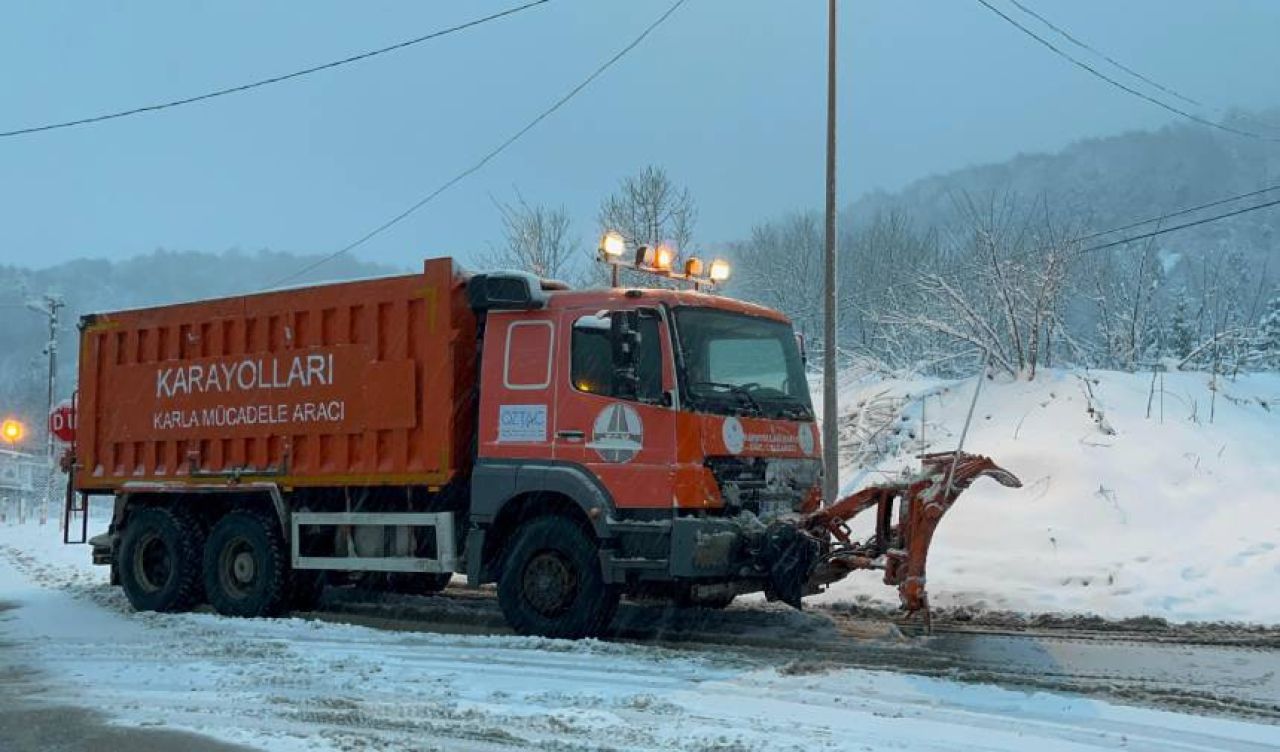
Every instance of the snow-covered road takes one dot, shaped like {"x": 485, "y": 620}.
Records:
{"x": 306, "y": 684}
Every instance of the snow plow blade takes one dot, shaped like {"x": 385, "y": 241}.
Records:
{"x": 819, "y": 549}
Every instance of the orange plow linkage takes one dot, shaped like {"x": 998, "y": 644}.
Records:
{"x": 907, "y": 513}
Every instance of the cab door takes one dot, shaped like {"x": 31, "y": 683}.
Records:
{"x": 518, "y": 379}
{"x": 614, "y": 414}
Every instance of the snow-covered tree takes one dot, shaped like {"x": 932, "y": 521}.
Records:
{"x": 1265, "y": 350}
{"x": 1181, "y": 326}
{"x": 1000, "y": 289}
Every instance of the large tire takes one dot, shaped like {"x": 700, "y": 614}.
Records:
{"x": 246, "y": 569}
{"x": 551, "y": 584}
{"x": 407, "y": 583}
{"x": 159, "y": 559}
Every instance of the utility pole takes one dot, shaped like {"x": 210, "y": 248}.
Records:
{"x": 830, "y": 429}
{"x": 48, "y": 306}
{"x": 51, "y": 305}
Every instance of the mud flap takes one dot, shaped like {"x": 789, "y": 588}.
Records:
{"x": 790, "y": 556}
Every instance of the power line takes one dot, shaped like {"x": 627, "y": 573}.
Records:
{"x": 974, "y": 265}
{"x": 1123, "y": 87}
{"x": 488, "y": 156}
{"x": 1175, "y": 228}
{"x": 1179, "y": 213}
{"x": 273, "y": 79}
{"x": 1156, "y": 220}
{"x": 1145, "y": 79}
{"x": 1083, "y": 45}
{"x": 1161, "y": 218}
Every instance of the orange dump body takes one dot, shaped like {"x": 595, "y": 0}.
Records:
{"x": 356, "y": 383}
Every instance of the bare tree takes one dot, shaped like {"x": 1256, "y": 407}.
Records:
{"x": 1000, "y": 294}
{"x": 1123, "y": 286}
{"x": 780, "y": 266}
{"x": 648, "y": 209}
{"x": 879, "y": 260}
{"x": 535, "y": 239}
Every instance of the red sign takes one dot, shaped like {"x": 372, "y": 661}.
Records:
{"x": 62, "y": 422}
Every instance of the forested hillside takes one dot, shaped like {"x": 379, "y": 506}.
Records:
{"x": 1004, "y": 257}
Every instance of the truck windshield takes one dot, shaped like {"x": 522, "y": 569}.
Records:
{"x": 735, "y": 364}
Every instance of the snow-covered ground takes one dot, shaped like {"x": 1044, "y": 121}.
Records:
{"x": 1140, "y": 498}
{"x": 290, "y": 684}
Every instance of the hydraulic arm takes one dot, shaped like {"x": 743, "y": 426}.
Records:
{"x": 819, "y": 549}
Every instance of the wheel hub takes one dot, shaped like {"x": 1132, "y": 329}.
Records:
{"x": 237, "y": 568}
{"x": 550, "y": 583}
{"x": 242, "y": 567}
{"x": 153, "y": 564}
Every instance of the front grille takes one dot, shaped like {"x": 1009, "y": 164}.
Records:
{"x": 765, "y": 486}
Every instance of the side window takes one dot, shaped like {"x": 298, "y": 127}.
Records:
{"x": 591, "y": 353}
{"x": 527, "y": 355}
{"x": 592, "y": 366}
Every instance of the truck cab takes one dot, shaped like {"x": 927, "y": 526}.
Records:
{"x": 668, "y": 426}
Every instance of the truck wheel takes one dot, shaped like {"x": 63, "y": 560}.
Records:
{"x": 551, "y": 584}
{"x": 246, "y": 570}
{"x": 159, "y": 560}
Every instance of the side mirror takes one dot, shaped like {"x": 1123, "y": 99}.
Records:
{"x": 804, "y": 352}
{"x": 625, "y": 336}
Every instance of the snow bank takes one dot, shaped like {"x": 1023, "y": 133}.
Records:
{"x": 1138, "y": 500}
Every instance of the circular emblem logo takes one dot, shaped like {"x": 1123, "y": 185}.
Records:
{"x": 733, "y": 435}
{"x": 804, "y": 437}
{"x": 618, "y": 433}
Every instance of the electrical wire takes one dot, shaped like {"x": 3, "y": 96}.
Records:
{"x": 273, "y": 79}
{"x": 1162, "y": 218}
{"x": 488, "y": 156}
{"x": 1179, "y": 213}
{"x": 1119, "y": 85}
{"x": 970, "y": 266}
{"x": 1153, "y": 220}
{"x": 1084, "y": 45}
{"x": 1145, "y": 79}
{"x": 1175, "y": 228}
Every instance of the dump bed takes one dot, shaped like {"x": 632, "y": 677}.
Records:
{"x": 356, "y": 383}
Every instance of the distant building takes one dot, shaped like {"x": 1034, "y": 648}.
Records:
{"x": 22, "y": 473}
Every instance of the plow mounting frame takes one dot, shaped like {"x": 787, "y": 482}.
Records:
{"x": 907, "y": 514}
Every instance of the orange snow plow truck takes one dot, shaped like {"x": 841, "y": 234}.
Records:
{"x": 570, "y": 446}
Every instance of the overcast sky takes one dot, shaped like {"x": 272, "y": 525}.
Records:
{"x": 728, "y": 96}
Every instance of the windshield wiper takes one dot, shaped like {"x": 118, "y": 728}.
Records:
{"x": 735, "y": 390}
{"x": 797, "y": 410}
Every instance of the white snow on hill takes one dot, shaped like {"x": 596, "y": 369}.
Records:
{"x": 1141, "y": 498}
